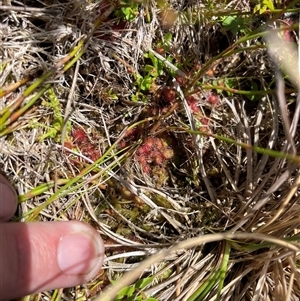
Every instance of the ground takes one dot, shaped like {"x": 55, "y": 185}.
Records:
{"x": 163, "y": 125}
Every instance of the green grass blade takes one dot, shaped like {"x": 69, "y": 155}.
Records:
{"x": 223, "y": 268}
{"x": 205, "y": 288}
{"x": 7, "y": 111}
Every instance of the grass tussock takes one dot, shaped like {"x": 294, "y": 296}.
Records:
{"x": 172, "y": 128}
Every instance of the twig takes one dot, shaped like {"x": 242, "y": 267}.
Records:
{"x": 28, "y": 9}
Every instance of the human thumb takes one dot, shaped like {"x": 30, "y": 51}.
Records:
{"x": 46, "y": 255}
{"x": 40, "y": 256}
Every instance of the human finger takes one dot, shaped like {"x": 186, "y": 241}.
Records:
{"x": 41, "y": 256}
{"x": 8, "y": 199}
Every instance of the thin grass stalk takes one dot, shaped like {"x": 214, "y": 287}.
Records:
{"x": 201, "y": 293}
{"x": 40, "y": 190}
{"x": 261, "y": 150}
{"x": 29, "y": 104}
{"x": 14, "y": 86}
{"x": 223, "y": 269}
{"x": 7, "y": 111}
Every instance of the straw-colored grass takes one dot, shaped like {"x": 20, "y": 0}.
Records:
{"x": 172, "y": 128}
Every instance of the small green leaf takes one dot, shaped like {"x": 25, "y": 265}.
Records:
{"x": 142, "y": 283}
{"x": 234, "y": 24}
{"x": 149, "y": 68}
{"x": 153, "y": 59}
{"x": 168, "y": 38}
{"x": 134, "y": 98}
{"x": 146, "y": 83}
{"x": 125, "y": 292}
{"x": 269, "y": 4}
{"x": 262, "y": 9}
{"x": 228, "y": 21}
{"x": 263, "y": 6}
{"x": 129, "y": 14}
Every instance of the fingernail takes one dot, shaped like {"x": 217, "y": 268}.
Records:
{"x": 78, "y": 253}
{"x": 8, "y": 199}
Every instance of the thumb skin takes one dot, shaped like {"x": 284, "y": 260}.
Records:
{"x": 41, "y": 256}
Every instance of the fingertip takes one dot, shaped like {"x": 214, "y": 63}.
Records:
{"x": 81, "y": 252}
{"x": 8, "y": 199}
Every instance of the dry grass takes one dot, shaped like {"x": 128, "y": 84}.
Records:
{"x": 210, "y": 180}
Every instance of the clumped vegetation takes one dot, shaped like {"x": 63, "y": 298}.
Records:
{"x": 172, "y": 128}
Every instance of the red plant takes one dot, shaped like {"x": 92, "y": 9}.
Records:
{"x": 130, "y": 135}
{"x": 90, "y": 152}
{"x": 181, "y": 80}
{"x": 85, "y": 145}
{"x": 204, "y": 125}
{"x": 153, "y": 152}
{"x": 192, "y": 102}
{"x": 168, "y": 94}
{"x": 160, "y": 50}
{"x": 79, "y": 136}
{"x": 213, "y": 98}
